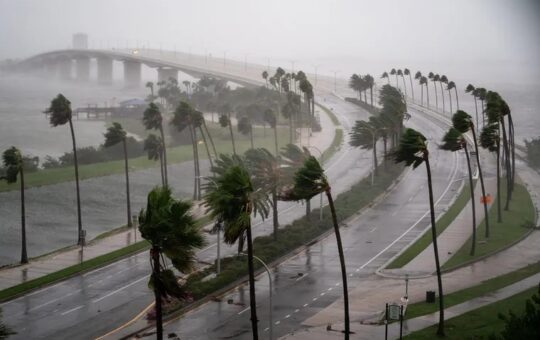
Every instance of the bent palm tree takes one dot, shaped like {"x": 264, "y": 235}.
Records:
{"x": 153, "y": 145}
{"x": 231, "y": 198}
{"x": 310, "y": 180}
{"x": 364, "y": 135}
{"x": 400, "y": 73}
{"x": 413, "y": 151}
{"x": 453, "y": 141}
{"x": 225, "y": 121}
{"x": 114, "y": 135}
{"x": 442, "y": 79}
{"x": 14, "y": 166}
{"x": 171, "y": 230}
{"x": 424, "y": 81}
{"x": 435, "y": 78}
{"x": 490, "y": 140}
{"x": 474, "y": 92}
{"x": 452, "y": 85}
{"x": 265, "y": 77}
{"x": 153, "y": 120}
{"x": 385, "y": 75}
{"x": 59, "y": 114}
{"x": 407, "y": 72}
{"x": 270, "y": 118}
{"x": 246, "y": 128}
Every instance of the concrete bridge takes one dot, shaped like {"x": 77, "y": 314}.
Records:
{"x": 74, "y": 64}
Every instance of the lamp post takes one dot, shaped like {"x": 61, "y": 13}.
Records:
{"x": 335, "y": 81}
{"x": 321, "y": 195}
{"x": 270, "y": 336}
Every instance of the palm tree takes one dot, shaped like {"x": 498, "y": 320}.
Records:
{"x": 171, "y": 230}
{"x": 246, "y": 128}
{"x": 474, "y": 92}
{"x": 445, "y": 80}
{"x": 153, "y": 120}
{"x": 464, "y": 123}
{"x": 364, "y": 135}
{"x": 270, "y": 118}
{"x": 290, "y": 110}
{"x": 385, "y": 75}
{"x": 435, "y": 78}
{"x": 225, "y": 121}
{"x": 116, "y": 134}
{"x": 309, "y": 181}
{"x": 407, "y": 72}
{"x": 231, "y": 198}
{"x": 454, "y": 141}
{"x": 153, "y": 145}
{"x": 14, "y": 166}
{"x": 490, "y": 139}
{"x": 482, "y": 93}
{"x": 150, "y": 85}
{"x": 370, "y": 82}
{"x": 413, "y": 150}
{"x": 394, "y": 73}
{"x": 442, "y": 79}
{"x": 424, "y": 81}
{"x": 452, "y": 85}
{"x": 60, "y": 114}
{"x": 400, "y": 73}
{"x": 418, "y": 76}
{"x": 292, "y": 158}
{"x": 5, "y": 331}
{"x": 354, "y": 84}
{"x": 266, "y": 171}
{"x": 265, "y": 77}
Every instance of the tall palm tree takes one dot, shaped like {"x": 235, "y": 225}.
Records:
{"x": 246, "y": 128}
{"x": 462, "y": 122}
{"x": 364, "y": 135}
{"x": 442, "y": 79}
{"x": 418, "y": 76}
{"x": 482, "y": 93}
{"x": 150, "y": 85}
{"x": 394, "y": 73}
{"x": 290, "y": 110}
{"x": 171, "y": 230}
{"x": 370, "y": 82}
{"x": 309, "y": 181}
{"x": 354, "y": 84}
{"x": 153, "y": 120}
{"x": 116, "y": 134}
{"x": 400, "y": 73}
{"x": 424, "y": 81}
{"x": 413, "y": 150}
{"x": 490, "y": 140}
{"x": 231, "y": 198}
{"x": 407, "y": 72}
{"x": 292, "y": 158}
{"x": 454, "y": 141}
{"x": 225, "y": 121}
{"x": 435, "y": 78}
{"x": 14, "y": 166}
{"x": 265, "y": 77}
{"x": 452, "y": 85}
{"x": 474, "y": 92}
{"x": 385, "y": 75}
{"x": 270, "y": 118}
{"x": 153, "y": 145}
{"x": 59, "y": 114}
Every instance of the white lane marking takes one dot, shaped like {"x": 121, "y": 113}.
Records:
{"x": 287, "y": 316}
{"x": 314, "y": 299}
{"x": 266, "y": 329}
{"x": 337, "y": 284}
{"x": 277, "y": 322}
{"x": 329, "y": 289}
{"x": 372, "y": 230}
{"x": 322, "y": 294}
{"x": 245, "y": 310}
{"x": 121, "y": 288}
{"x": 72, "y": 310}
{"x": 301, "y": 277}
{"x": 296, "y": 310}
{"x": 357, "y": 270}
{"x": 44, "y": 304}
{"x": 305, "y": 305}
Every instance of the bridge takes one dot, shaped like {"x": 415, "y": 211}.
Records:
{"x": 74, "y": 64}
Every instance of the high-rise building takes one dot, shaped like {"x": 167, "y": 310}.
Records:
{"x": 80, "y": 41}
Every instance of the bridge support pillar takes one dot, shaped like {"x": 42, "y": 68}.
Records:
{"x": 165, "y": 73}
{"x": 64, "y": 66}
{"x": 104, "y": 70}
{"x": 132, "y": 73}
{"x": 82, "y": 68}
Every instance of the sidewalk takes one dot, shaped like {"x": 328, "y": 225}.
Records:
{"x": 367, "y": 301}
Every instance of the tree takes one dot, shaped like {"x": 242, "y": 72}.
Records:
{"x": 231, "y": 198}
{"x": 310, "y": 180}
{"x": 385, "y": 75}
{"x": 364, "y": 135}
{"x": 370, "y": 82}
{"x": 418, "y": 76}
{"x": 413, "y": 150}
{"x": 270, "y": 118}
{"x": 153, "y": 120}
{"x": 290, "y": 110}
{"x": 246, "y": 128}
{"x": 153, "y": 145}
{"x": 454, "y": 141}
{"x": 292, "y": 158}
{"x": 400, "y": 73}
{"x": 14, "y": 167}
{"x": 265, "y": 77}
{"x": 172, "y": 231}
{"x": 524, "y": 326}
{"x": 452, "y": 85}
{"x": 59, "y": 114}
{"x": 424, "y": 81}
{"x": 434, "y": 78}
{"x": 407, "y": 72}
{"x": 116, "y": 134}
{"x": 490, "y": 140}
{"x": 225, "y": 121}
{"x": 482, "y": 93}
{"x": 442, "y": 79}
{"x": 463, "y": 123}
{"x": 150, "y": 85}
{"x": 393, "y": 72}
{"x": 474, "y": 92}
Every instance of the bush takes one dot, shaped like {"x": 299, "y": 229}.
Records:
{"x": 524, "y": 326}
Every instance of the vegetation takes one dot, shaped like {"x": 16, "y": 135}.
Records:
{"x": 153, "y": 120}
{"x": 5, "y": 331}
{"x": 533, "y": 152}
{"x": 171, "y": 230}
{"x": 520, "y": 219}
{"x": 59, "y": 114}
{"x": 524, "y": 325}
{"x": 413, "y": 151}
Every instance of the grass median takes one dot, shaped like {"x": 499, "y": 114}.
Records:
{"x": 330, "y": 114}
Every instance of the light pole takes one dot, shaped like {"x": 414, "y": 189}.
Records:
{"x": 321, "y": 195}
{"x": 316, "y": 67}
{"x": 335, "y": 81}
{"x": 270, "y": 336}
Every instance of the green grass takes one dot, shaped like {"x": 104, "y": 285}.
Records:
{"x": 63, "y": 274}
{"x": 334, "y": 147}
{"x": 330, "y": 114}
{"x": 452, "y": 299}
{"x": 479, "y": 323}
{"x": 174, "y": 155}
{"x": 516, "y": 223}
{"x": 442, "y": 223}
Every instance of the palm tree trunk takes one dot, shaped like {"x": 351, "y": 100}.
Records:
{"x": 507, "y": 165}
{"x": 161, "y": 170}
{"x": 275, "y": 212}
{"x": 210, "y": 138}
{"x": 290, "y": 129}
{"x": 251, "y": 270}
{"x": 251, "y": 136}
{"x": 76, "y": 163}
{"x": 442, "y": 96}
{"x": 157, "y": 294}
{"x": 371, "y": 95}
{"x": 512, "y": 150}
{"x": 232, "y": 135}
{"x": 206, "y": 147}
{"x": 481, "y": 175}
{"x": 440, "y": 329}
{"x": 24, "y": 255}
{"x": 397, "y": 82}
{"x": 499, "y": 214}
{"x": 195, "y": 174}
{"x": 275, "y": 139}
{"x": 422, "y": 95}
{"x": 450, "y": 98}
{"x": 195, "y": 144}
{"x": 476, "y": 110}
{"x": 427, "y": 94}
{"x": 404, "y": 85}
{"x": 473, "y": 245}
{"x": 128, "y": 201}
{"x": 436, "y": 96}
{"x": 375, "y": 162}
{"x": 457, "y": 97}
{"x": 164, "y": 155}
{"x": 341, "y": 261}
{"x": 412, "y": 88}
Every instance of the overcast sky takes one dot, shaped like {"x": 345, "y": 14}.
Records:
{"x": 500, "y": 37}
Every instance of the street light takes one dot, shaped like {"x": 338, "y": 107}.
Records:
{"x": 321, "y": 195}
{"x": 335, "y": 81}
{"x": 269, "y": 293}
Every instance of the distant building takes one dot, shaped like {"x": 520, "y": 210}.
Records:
{"x": 80, "y": 41}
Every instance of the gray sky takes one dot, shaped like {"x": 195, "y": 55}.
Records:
{"x": 490, "y": 36}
